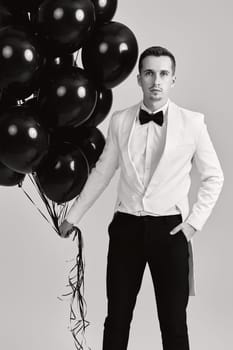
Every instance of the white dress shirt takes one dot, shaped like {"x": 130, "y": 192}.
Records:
{"x": 146, "y": 148}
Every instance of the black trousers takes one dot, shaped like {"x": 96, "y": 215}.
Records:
{"x": 134, "y": 242}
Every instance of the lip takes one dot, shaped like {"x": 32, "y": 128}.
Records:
{"x": 155, "y": 90}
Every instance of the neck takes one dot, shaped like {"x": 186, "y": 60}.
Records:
{"x": 153, "y": 106}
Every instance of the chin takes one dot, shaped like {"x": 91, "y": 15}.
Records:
{"x": 156, "y": 98}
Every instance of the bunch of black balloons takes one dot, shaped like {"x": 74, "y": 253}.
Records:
{"x": 49, "y": 107}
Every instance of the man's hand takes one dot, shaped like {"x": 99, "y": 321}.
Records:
{"x": 65, "y": 229}
{"x": 186, "y": 228}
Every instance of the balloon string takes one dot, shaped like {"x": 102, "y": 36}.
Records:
{"x": 76, "y": 283}
{"x": 40, "y": 211}
{"x": 46, "y": 202}
{"x": 76, "y": 274}
{"x": 52, "y": 208}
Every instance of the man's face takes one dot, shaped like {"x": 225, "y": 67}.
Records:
{"x": 156, "y": 79}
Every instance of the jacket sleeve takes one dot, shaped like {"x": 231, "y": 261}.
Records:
{"x": 211, "y": 176}
{"x": 99, "y": 177}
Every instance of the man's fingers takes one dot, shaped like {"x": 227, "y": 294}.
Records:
{"x": 62, "y": 233}
{"x": 176, "y": 229}
{"x": 68, "y": 233}
{"x": 65, "y": 229}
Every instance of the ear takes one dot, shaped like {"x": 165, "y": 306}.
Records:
{"x": 139, "y": 80}
{"x": 173, "y": 81}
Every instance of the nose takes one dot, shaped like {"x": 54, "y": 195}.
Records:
{"x": 156, "y": 79}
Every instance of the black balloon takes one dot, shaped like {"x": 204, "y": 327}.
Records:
{"x": 22, "y": 5}
{"x": 105, "y": 10}
{"x": 6, "y": 17}
{"x": 21, "y": 91}
{"x": 110, "y": 54}
{"x": 60, "y": 61}
{"x": 19, "y": 58}
{"x": 67, "y": 98}
{"x": 23, "y": 141}
{"x": 32, "y": 103}
{"x": 102, "y": 107}
{"x": 63, "y": 173}
{"x": 89, "y": 139}
{"x": 92, "y": 143}
{"x": 6, "y": 101}
{"x": 9, "y": 177}
{"x": 64, "y": 25}
{"x": 51, "y": 66}
{"x": 10, "y": 16}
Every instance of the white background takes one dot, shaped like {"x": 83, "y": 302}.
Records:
{"x": 33, "y": 265}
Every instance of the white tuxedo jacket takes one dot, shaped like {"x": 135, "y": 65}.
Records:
{"x": 187, "y": 140}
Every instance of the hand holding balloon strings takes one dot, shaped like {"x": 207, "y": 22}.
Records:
{"x": 57, "y": 212}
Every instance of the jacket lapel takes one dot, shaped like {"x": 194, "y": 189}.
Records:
{"x": 131, "y": 129}
{"x": 126, "y": 131}
{"x": 174, "y": 127}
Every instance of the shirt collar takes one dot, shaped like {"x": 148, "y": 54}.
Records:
{"x": 163, "y": 108}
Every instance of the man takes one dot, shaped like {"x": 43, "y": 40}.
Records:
{"x": 154, "y": 143}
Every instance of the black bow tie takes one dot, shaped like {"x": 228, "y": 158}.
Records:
{"x": 145, "y": 117}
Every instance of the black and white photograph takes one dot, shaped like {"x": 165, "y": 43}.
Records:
{"x": 116, "y": 175}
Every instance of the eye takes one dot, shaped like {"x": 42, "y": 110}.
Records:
{"x": 164, "y": 73}
{"x": 148, "y": 73}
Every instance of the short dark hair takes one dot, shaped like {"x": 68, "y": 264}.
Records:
{"x": 156, "y": 51}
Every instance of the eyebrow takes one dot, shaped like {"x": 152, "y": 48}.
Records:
{"x": 148, "y": 70}
{"x": 151, "y": 70}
